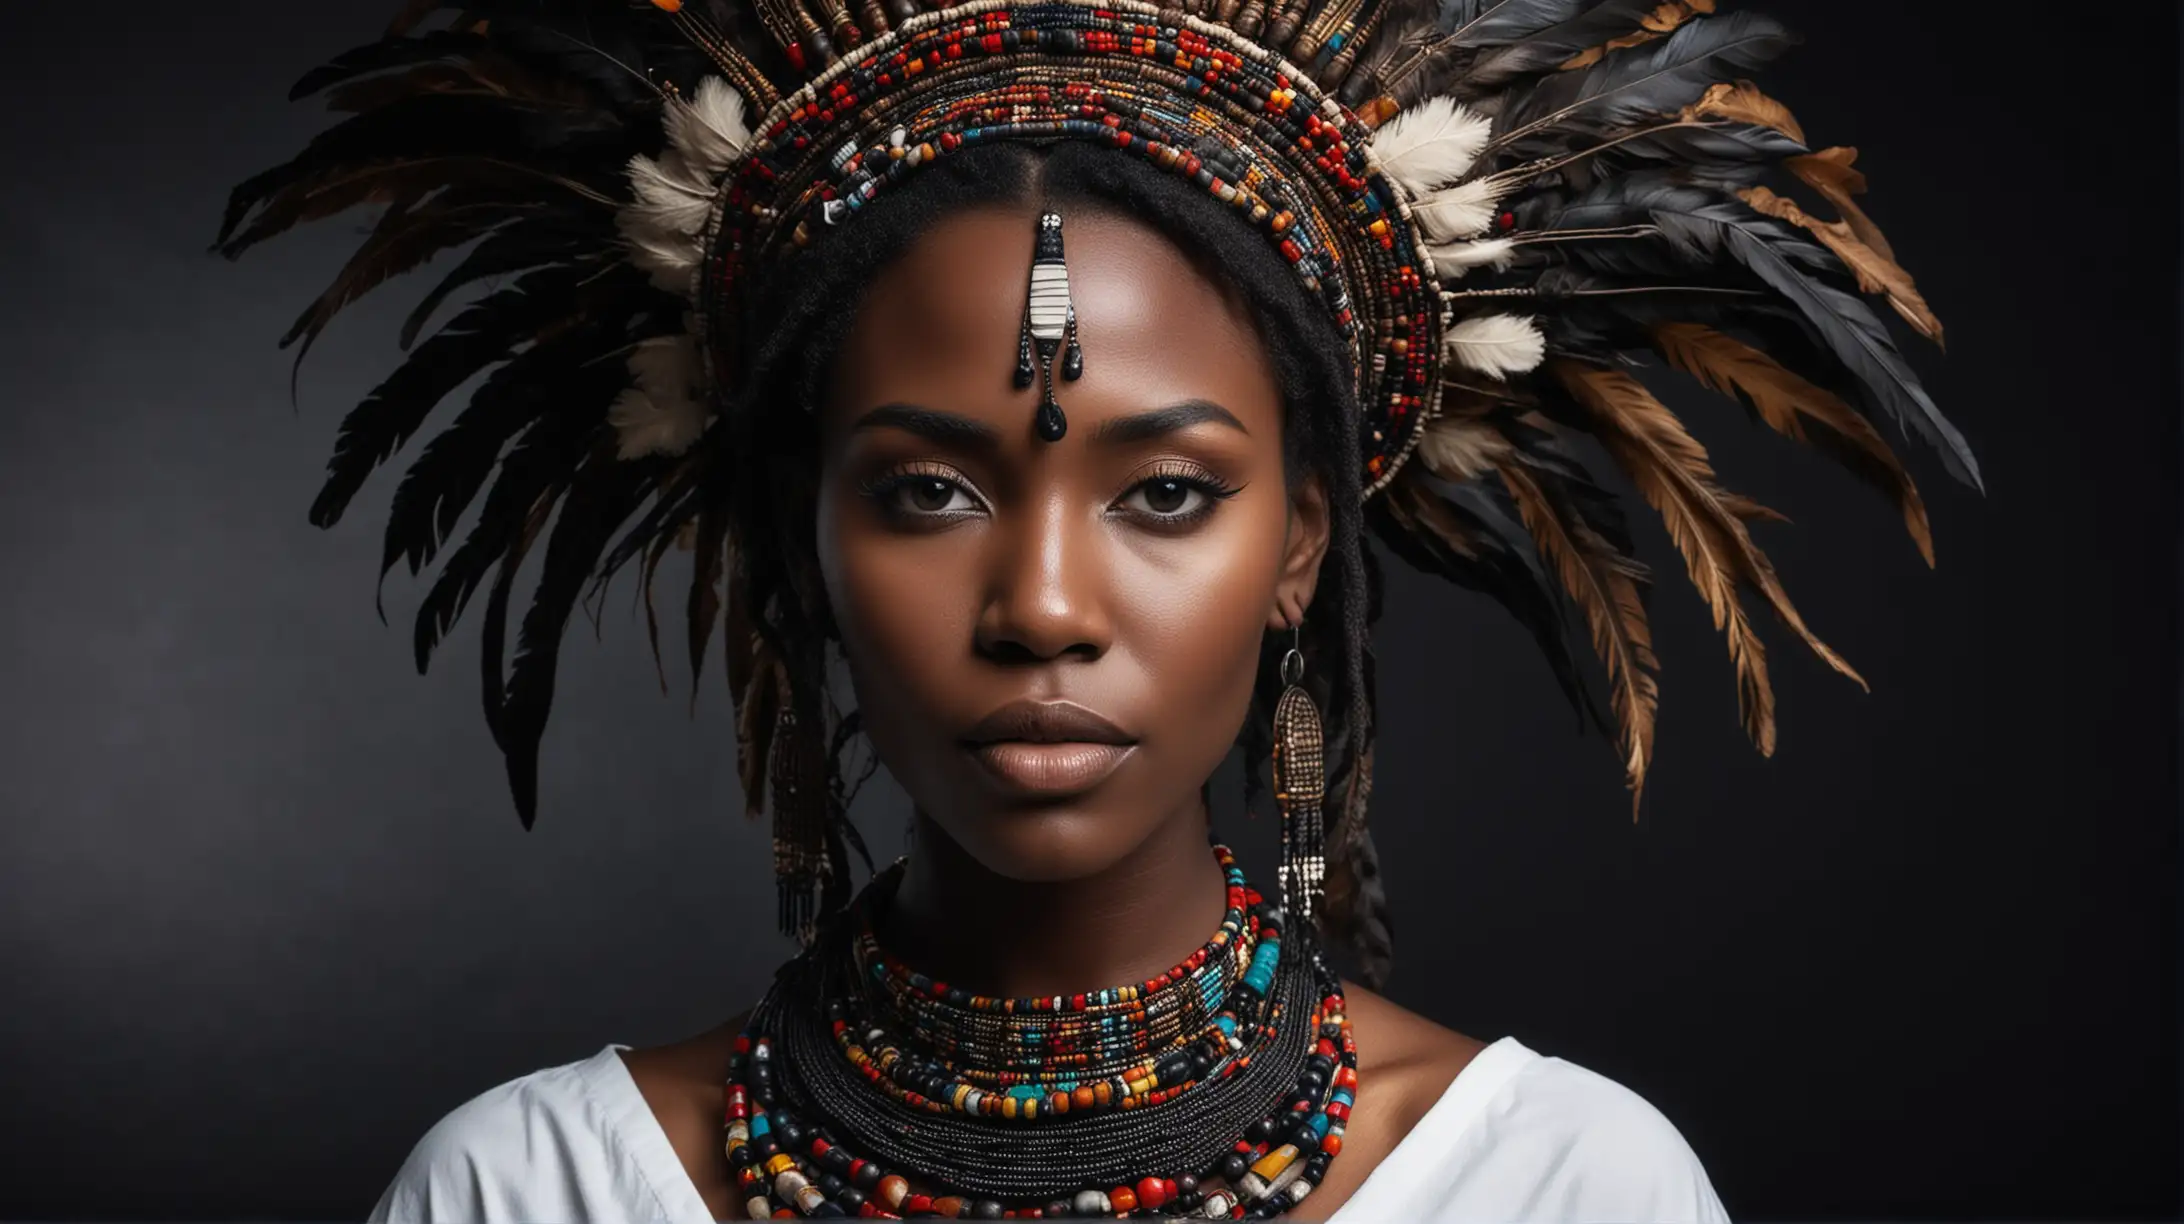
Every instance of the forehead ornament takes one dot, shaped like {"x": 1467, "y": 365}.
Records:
{"x": 1050, "y": 321}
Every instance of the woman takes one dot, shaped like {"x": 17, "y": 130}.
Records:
{"x": 1051, "y": 363}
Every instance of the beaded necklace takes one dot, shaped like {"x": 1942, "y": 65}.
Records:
{"x": 860, "y": 1086}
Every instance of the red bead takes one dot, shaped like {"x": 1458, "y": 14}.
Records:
{"x": 1150, "y": 1193}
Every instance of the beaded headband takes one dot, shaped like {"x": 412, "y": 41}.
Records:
{"x": 1191, "y": 96}
{"x": 1518, "y": 214}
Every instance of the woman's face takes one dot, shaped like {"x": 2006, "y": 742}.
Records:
{"x": 1054, "y": 644}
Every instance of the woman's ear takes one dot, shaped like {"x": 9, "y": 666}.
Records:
{"x": 1305, "y": 547}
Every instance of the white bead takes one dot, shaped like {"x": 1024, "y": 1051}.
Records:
{"x": 790, "y": 1183}
{"x": 759, "y": 1209}
{"x": 1091, "y": 1203}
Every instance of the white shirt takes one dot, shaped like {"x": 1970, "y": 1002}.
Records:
{"x": 1515, "y": 1137}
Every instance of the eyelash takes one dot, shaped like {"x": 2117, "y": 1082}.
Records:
{"x": 883, "y": 489}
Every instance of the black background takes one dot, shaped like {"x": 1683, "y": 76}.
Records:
{"x": 268, "y": 913}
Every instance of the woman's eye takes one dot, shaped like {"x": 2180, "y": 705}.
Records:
{"x": 932, "y": 495}
{"x": 1166, "y": 497}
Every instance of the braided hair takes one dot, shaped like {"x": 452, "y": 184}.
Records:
{"x": 806, "y": 311}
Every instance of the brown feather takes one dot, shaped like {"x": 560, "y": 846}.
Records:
{"x": 1834, "y": 174}
{"x": 1742, "y": 102}
{"x": 1673, "y": 474}
{"x": 1661, "y": 22}
{"x": 1607, "y": 586}
{"x": 1876, "y": 273}
{"x": 1787, "y": 403}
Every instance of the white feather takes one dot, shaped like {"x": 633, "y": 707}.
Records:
{"x": 670, "y": 258}
{"x": 709, "y": 130}
{"x": 1431, "y": 146}
{"x": 669, "y": 197}
{"x": 664, "y": 412}
{"x": 1496, "y": 345}
{"x": 1460, "y": 212}
{"x": 1459, "y": 449}
{"x": 1452, "y": 259}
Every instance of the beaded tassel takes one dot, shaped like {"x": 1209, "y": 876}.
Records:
{"x": 797, "y": 776}
{"x": 1300, "y": 786}
{"x": 1050, "y": 320}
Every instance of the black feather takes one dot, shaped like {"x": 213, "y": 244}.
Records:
{"x": 1548, "y": 49}
{"x": 480, "y": 336}
{"x": 576, "y": 373}
{"x": 549, "y": 237}
{"x": 603, "y": 494}
{"x": 536, "y": 142}
{"x": 385, "y": 55}
{"x": 1706, "y": 231}
{"x": 1501, "y": 22}
{"x": 1503, "y": 563}
{"x": 1646, "y": 81}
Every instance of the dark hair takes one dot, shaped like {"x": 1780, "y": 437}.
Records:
{"x": 803, "y": 314}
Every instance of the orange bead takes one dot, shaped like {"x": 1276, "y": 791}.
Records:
{"x": 1083, "y": 1097}
{"x": 1122, "y": 1198}
{"x": 1332, "y": 1144}
{"x": 951, "y": 1206}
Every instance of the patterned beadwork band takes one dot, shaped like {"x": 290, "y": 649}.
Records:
{"x": 1191, "y": 97}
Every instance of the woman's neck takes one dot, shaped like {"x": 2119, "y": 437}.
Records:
{"x": 954, "y": 920}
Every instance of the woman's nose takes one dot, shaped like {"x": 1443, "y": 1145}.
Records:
{"x": 1046, "y": 597}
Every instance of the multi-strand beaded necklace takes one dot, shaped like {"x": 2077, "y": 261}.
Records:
{"x": 1217, "y": 1089}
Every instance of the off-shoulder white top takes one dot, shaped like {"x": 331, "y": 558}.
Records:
{"x": 1515, "y": 1137}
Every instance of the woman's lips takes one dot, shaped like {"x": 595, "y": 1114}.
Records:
{"x": 1049, "y": 770}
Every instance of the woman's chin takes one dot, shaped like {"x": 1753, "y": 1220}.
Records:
{"x": 1053, "y": 842}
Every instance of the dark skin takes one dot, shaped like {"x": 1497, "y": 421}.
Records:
{"x": 1131, "y": 569}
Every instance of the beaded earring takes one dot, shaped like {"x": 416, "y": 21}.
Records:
{"x": 1050, "y": 319}
{"x": 797, "y": 776}
{"x": 1300, "y": 785}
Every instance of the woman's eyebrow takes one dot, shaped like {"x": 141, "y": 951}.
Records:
{"x": 1141, "y": 426}
{"x": 930, "y": 423}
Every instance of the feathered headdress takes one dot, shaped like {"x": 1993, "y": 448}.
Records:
{"x": 1509, "y": 208}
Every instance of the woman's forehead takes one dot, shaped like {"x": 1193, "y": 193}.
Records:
{"x": 942, "y": 323}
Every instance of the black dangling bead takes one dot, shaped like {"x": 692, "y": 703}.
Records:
{"x": 1052, "y": 425}
{"x": 1073, "y": 356}
{"x": 1025, "y": 369}
{"x": 986, "y": 1209}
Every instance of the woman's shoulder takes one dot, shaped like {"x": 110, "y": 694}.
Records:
{"x": 555, "y": 1143}
{"x": 1507, "y": 1133}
